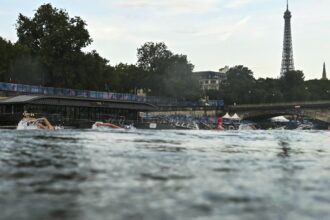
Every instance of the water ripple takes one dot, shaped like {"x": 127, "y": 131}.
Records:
{"x": 145, "y": 174}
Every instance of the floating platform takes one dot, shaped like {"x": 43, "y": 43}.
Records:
{"x": 69, "y": 111}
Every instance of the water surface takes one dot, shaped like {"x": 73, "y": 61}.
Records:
{"x": 168, "y": 175}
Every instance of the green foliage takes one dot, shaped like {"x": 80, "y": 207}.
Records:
{"x": 25, "y": 63}
{"x": 153, "y": 57}
{"x": 242, "y": 88}
{"x": 178, "y": 80}
{"x": 52, "y": 32}
{"x": 89, "y": 71}
{"x": 14, "y": 59}
{"x": 55, "y": 41}
{"x": 168, "y": 74}
{"x": 239, "y": 85}
{"x": 6, "y": 54}
{"x": 293, "y": 87}
{"x": 128, "y": 78}
{"x": 318, "y": 89}
{"x": 268, "y": 91}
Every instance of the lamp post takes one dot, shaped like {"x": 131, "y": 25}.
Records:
{"x": 249, "y": 96}
{"x": 306, "y": 93}
{"x": 297, "y": 108}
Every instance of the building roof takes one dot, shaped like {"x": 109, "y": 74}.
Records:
{"x": 18, "y": 99}
{"x": 210, "y": 75}
{"x": 78, "y": 101}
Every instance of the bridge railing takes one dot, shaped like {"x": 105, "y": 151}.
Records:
{"x": 281, "y": 104}
{"x": 52, "y": 91}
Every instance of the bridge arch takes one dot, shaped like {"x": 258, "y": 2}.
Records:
{"x": 263, "y": 115}
{"x": 314, "y": 110}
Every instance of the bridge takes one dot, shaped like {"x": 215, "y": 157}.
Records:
{"x": 96, "y": 105}
{"x": 12, "y": 89}
{"x": 319, "y": 110}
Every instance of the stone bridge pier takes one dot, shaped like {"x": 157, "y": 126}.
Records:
{"x": 314, "y": 110}
{"x": 321, "y": 115}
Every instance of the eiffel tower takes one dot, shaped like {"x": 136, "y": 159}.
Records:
{"x": 287, "y": 56}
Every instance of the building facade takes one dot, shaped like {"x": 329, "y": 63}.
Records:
{"x": 69, "y": 111}
{"x": 210, "y": 80}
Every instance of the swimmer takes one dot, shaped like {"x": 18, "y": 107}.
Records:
{"x": 41, "y": 123}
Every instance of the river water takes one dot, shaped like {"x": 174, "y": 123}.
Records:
{"x": 167, "y": 175}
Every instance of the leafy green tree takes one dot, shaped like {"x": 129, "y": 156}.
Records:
{"x": 168, "y": 74}
{"x": 27, "y": 69}
{"x": 52, "y": 32}
{"x": 16, "y": 61}
{"x": 90, "y": 71}
{"x": 153, "y": 57}
{"x": 179, "y": 81}
{"x": 293, "y": 86}
{"x": 293, "y": 78}
{"x": 318, "y": 89}
{"x": 129, "y": 77}
{"x": 57, "y": 39}
{"x": 268, "y": 91}
{"x": 6, "y": 54}
{"x": 239, "y": 86}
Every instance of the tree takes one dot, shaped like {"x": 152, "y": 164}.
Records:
{"x": 239, "y": 86}
{"x": 293, "y": 87}
{"x": 15, "y": 61}
{"x": 153, "y": 57}
{"x": 25, "y": 63}
{"x": 168, "y": 74}
{"x": 318, "y": 89}
{"x": 267, "y": 91}
{"x": 90, "y": 71}
{"x": 57, "y": 39}
{"x": 52, "y": 32}
{"x": 293, "y": 78}
{"x": 6, "y": 54}
{"x": 179, "y": 81}
{"x": 129, "y": 78}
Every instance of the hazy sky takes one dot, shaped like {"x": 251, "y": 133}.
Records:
{"x": 212, "y": 33}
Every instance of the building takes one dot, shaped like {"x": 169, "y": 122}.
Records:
{"x": 81, "y": 108}
{"x": 287, "y": 55}
{"x": 69, "y": 111}
{"x": 210, "y": 80}
{"x": 324, "y": 74}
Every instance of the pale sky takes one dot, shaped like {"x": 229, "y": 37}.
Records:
{"x": 212, "y": 33}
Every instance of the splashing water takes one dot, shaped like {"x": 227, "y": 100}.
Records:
{"x": 26, "y": 125}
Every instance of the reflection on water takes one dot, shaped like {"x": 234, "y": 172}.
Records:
{"x": 85, "y": 174}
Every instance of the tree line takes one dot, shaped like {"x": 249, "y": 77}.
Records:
{"x": 241, "y": 87}
{"x": 48, "y": 52}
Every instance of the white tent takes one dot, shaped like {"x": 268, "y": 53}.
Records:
{"x": 235, "y": 117}
{"x": 279, "y": 119}
{"x": 227, "y": 116}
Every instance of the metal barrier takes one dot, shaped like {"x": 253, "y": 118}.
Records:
{"x": 11, "y": 87}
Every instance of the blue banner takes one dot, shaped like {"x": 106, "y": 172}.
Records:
{"x": 51, "y": 91}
